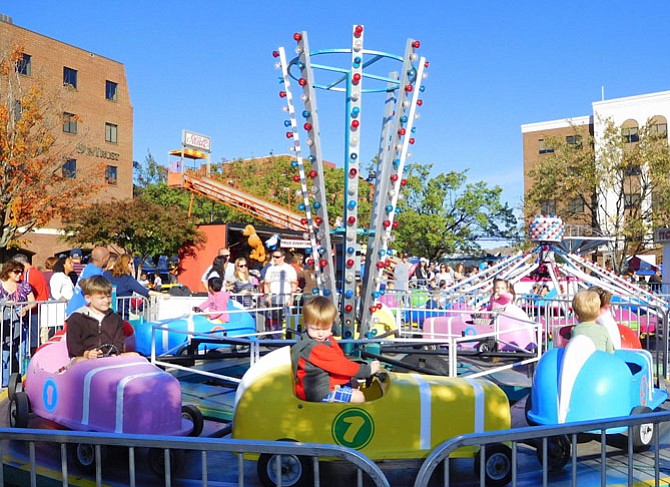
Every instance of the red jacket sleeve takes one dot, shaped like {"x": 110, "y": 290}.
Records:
{"x": 332, "y": 360}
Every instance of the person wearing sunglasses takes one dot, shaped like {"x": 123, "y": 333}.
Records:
{"x": 16, "y": 296}
{"x": 242, "y": 285}
{"x": 221, "y": 267}
{"x": 279, "y": 285}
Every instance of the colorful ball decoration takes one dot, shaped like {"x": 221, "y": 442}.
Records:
{"x": 546, "y": 229}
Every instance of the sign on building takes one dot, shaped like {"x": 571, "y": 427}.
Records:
{"x": 662, "y": 235}
{"x": 196, "y": 141}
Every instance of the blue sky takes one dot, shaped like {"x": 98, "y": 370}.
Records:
{"x": 207, "y": 66}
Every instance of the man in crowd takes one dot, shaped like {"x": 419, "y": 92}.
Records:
{"x": 279, "y": 285}
{"x": 95, "y": 267}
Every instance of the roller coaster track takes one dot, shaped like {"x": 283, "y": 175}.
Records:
{"x": 254, "y": 206}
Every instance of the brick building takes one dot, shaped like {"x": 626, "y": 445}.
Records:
{"x": 98, "y": 116}
{"x": 629, "y": 113}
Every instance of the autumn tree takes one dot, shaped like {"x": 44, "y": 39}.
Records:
{"x": 616, "y": 183}
{"x": 449, "y": 213}
{"x": 140, "y": 227}
{"x": 34, "y": 189}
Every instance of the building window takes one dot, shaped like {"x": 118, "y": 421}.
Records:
{"x": 630, "y": 135}
{"x": 574, "y": 140}
{"x": 70, "y": 169}
{"x": 111, "y": 175}
{"x": 576, "y": 206}
{"x": 543, "y": 148}
{"x": 24, "y": 65}
{"x": 632, "y": 200}
{"x": 111, "y": 134}
{"x": 111, "y": 90}
{"x": 633, "y": 170}
{"x": 69, "y": 77}
{"x": 660, "y": 129}
{"x": 548, "y": 207}
{"x": 69, "y": 123}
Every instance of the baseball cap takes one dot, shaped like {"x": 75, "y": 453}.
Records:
{"x": 75, "y": 253}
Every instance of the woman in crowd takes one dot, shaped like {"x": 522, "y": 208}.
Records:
{"x": 242, "y": 284}
{"x": 121, "y": 276}
{"x": 60, "y": 284}
{"x": 17, "y": 299}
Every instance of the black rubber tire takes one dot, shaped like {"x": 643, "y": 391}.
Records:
{"x": 559, "y": 452}
{"x": 189, "y": 411}
{"x": 19, "y": 410}
{"x": 643, "y": 434}
{"x": 296, "y": 470}
{"x": 156, "y": 460}
{"x": 14, "y": 385}
{"x": 497, "y": 465}
{"x": 82, "y": 455}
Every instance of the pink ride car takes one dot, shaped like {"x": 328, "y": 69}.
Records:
{"x": 113, "y": 394}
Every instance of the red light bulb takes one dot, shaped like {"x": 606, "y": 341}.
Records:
{"x": 358, "y": 30}
{"x": 282, "y": 94}
{"x": 419, "y": 102}
{"x": 351, "y": 220}
{"x": 348, "y": 308}
{"x": 380, "y": 265}
{"x": 411, "y": 141}
{"x": 395, "y": 224}
{"x": 356, "y": 78}
{"x": 289, "y": 135}
{"x": 323, "y": 263}
{"x": 394, "y": 177}
{"x": 302, "y": 81}
{"x": 303, "y": 221}
{"x": 426, "y": 64}
{"x": 296, "y": 178}
{"x": 275, "y": 53}
{"x": 378, "y": 305}
{"x": 409, "y": 88}
{"x": 353, "y": 172}
{"x": 318, "y": 220}
{"x": 312, "y": 174}
{"x": 402, "y": 132}
{"x": 373, "y": 308}
{"x": 355, "y": 124}
{"x": 307, "y": 126}
{"x": 403, "y": 182}
{"x": 297, "y": 36}
{"x": 350, "y": 263}
{"x": 387, "y": 223}
{"x": 310, "y": 262}
{"x": 416, "y": 44}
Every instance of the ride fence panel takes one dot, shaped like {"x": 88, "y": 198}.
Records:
{"x": 169, "y": 460}
{"x": 500, "y": 459}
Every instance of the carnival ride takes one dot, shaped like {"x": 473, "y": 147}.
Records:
{"x": 405, "y": 416}
{"x": 580, "y": 383}
{"x": 115, "y": 394}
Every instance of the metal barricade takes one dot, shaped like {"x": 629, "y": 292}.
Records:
{"x": 540, "y": 435}
{"x": 366, "y": 471}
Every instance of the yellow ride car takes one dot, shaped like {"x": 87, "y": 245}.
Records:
{"x": 405, "y": 417}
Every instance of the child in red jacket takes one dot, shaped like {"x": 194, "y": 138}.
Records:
{"x": 320, "y": 369}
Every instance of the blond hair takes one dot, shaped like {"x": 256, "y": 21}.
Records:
{"x": 320, "y": 312}
{"x": 586, "y": 305}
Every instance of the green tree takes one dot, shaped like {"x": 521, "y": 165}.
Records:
{"x": 138, "y": 226}
{"x": 616, "y": 183}
{"x": 448, "y": 213}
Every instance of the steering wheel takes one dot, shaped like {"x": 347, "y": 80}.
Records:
{"x": 382, "y": 375}
{"x": 108, "y": 349}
